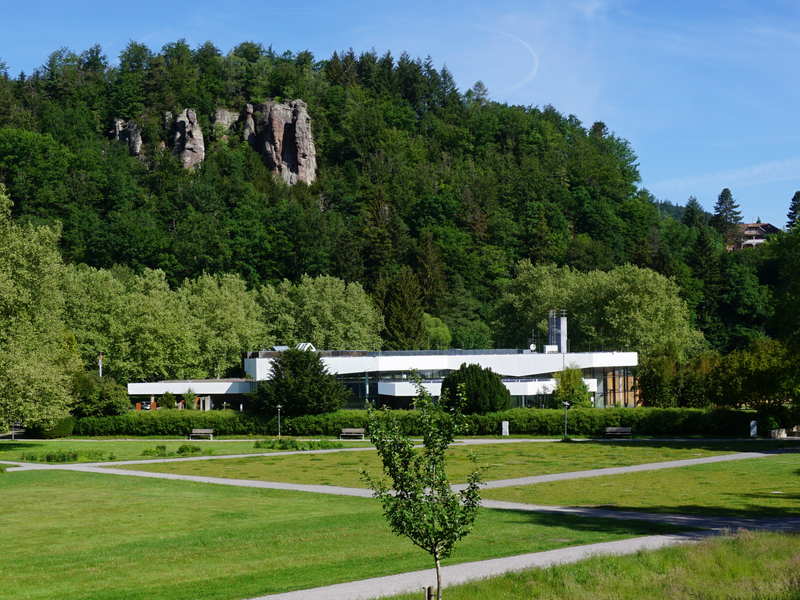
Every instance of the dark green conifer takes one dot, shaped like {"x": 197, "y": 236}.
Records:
{"x": 794, "y": 211}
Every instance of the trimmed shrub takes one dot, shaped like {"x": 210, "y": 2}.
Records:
{"x": 63, "y": 428}
{"x": 589, "y": 422}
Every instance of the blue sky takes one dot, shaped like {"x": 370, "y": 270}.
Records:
{"x": 706, "y": 92}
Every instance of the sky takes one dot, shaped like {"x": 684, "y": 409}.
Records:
{"x": 706, "y": 92}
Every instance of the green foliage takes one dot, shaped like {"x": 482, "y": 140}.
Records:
{"x": 99, "y": 396}
{"x": 727, "y": 217}
{"x": 178, "y": 423}
{"x": 37, "y": 354}
{"x": 325, "y": 311}
{"x": 301, "y": 384}
{"x": 438, "y": 333}
{"x": 67, "y": 456}
{"x": 474, "y": 389}
{"x": 290, "y": 444}
{"x": 167, "y": 402}
{"x": 570, "y": 388}
{"x": 420, "y": 504}
{"x": 62, "y": 428}
{"x": 628, "y": 308}
{"x": 763, "y": 377}
{"x": 403, "y": 313}
{"x": 794, "y": 211}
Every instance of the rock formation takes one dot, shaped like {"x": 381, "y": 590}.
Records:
{"x": 223, "y": 120}
{"x": 189, "y": 139}
{"x": 129, "y": 134}
{"x": 249, "y": 132}
{"x": 284, "y": 140}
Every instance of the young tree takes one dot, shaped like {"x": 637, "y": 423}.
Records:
{"x": 301, "y": 384}
{"x": 474, "y": 389}
{"x": 794, "y": 211}
{"x": 570, "y": 388}
{"x": 420, "y": 503}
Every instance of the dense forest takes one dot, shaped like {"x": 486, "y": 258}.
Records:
{"x": 461, "y": 220}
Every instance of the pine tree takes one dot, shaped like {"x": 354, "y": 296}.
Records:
{"x": 404, "y": 314}
{"x": 693, "y": 213}
{"x": 794, "y": 211}
{"x": 727, "y": 217}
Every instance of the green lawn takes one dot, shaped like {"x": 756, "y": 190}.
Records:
{"x": 83, "y": 535}
{"x": 130, "y": 449}
{"x": 759, "y": 487}
{"x": 751, "y": 566}
{"x": 502, "y": 461}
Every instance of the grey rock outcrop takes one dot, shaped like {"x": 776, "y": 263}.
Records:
{"x": 189, "y": 144}
{"x": 129, "y": 134}
{"x": 224, "y": 120}
{"x": 284, "y": 140}
{"x": 249, "y": 132}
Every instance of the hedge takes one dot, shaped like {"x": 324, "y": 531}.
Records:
{"x": 675, "y": 422}
{"x": 65, "y": 427}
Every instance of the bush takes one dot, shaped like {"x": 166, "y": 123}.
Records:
{"x": 99, "y": 396}
{"x": 63, "y": 428}
{"x": 65, "y": 456}
{"x": 177, "y": 423}
{"x": 290, "y": 444}
{"x": 484, "y": 391}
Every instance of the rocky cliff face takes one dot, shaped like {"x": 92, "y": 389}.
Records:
{"x": 129, "y": 134}
{"x": 281, "y": 134}
{"x": 189, "y": 143}
{"x": 284, "y": 139}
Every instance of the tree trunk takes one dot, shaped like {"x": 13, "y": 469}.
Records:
{"x": 438, "y": 577}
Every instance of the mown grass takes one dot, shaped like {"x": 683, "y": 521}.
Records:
{"x": 85, "y": 535}
{"x": 501, "y": 461}
{"x": 128, "y": 449}
{"x": 758, "y": 487}
{"x": 764, "y": 566}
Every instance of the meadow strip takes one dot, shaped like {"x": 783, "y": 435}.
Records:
{"x": 81, "y": 535}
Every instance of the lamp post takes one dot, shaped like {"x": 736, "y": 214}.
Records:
{"x": 279, "y": 407}
{"x": 566, "y": 408}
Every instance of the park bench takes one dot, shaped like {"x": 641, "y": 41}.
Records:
{"x": 618, "y": 432}
{"x": 209, "y": 433}
{"x": 351, "y": 433}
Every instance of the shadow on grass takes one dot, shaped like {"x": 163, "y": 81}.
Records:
{"x": 9, "y": 446}
{"x": 579, "y": 523}
{"x": 751, "y": 511}
{"x": 765, "y": 446}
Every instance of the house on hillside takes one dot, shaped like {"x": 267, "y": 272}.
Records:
{"x": 753, "y": 234}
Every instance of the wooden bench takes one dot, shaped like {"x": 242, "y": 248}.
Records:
{"x": 351, "y": 433}
{"x": 209, "y": 433}
{"x": 618, "y": 432}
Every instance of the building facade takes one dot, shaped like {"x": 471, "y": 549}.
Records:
{"x": 386, "y": 378}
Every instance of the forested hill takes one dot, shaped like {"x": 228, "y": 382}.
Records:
{"x": 411, "y": 171}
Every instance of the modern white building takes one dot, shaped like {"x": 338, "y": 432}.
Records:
{"x": 384, "y": 377}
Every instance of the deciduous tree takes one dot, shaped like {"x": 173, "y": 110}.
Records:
{"x": 420, "y": 504}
